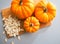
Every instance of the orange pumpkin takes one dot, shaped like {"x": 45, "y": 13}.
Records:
{"x": 45, "y": 12}
{"x": 31, "y": 24}
{"x": 22, "y": 8}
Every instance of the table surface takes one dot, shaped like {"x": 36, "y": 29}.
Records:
{"x": 48, "y": 35}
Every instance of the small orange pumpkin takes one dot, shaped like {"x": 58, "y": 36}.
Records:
{"x": 45, "y": 12}
{"x": 22, "y": 8}
{"x": 31, "y": 24}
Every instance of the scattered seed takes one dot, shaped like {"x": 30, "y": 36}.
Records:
{"x": 5, "y": 39}
{"x": 3, "y": 19}
{"x": 19, "y": 38}
{"x": 12, "y": 42}
{"x": 3, "y": 32}
{"x": 14, "y": 35}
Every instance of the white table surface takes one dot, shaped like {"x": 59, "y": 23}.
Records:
{"x": 48, "y": 35}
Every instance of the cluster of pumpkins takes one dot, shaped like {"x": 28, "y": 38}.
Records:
{"x": 34, "y": 14}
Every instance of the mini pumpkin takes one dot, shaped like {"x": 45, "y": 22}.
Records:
{"x": 45, "y": 12}
{"x": 22, "y": 8}
{"x": 31, "y": 24}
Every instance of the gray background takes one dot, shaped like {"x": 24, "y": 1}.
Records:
{"x": 48, "y": 35}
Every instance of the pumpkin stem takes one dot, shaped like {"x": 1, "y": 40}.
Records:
{"x": 31, "y": 24}
{"x": 45, "y": 9}
{"x": 20, "y": 2}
